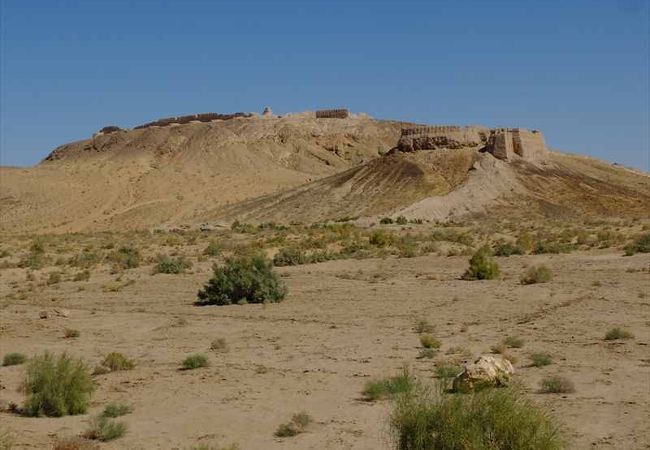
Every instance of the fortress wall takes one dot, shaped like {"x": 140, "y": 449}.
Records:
{"x": 332, "y": 114}
{"x": 203, "y": 117}
{"x": 508, "y": 144}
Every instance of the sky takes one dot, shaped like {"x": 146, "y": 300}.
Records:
{"x": 578, "y": 70}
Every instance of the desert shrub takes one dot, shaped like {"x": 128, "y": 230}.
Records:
{"x": 537, "y": 274}
{"x": 85, "y": 259}
{"x": 240, "y": 227}
{"x": 540, "y": 359}
{"x": 116, "y": 410}
{"x": 640, "y": 245}
{"x": 489, "y": 419}
{"x": 104, "y": 429}
{"x": 427, "y": 353}
{"x": 71, "y": 333}
{"x": 74, "y": 443}
{"x": 514, "y": 342}
{"x": 428, "y": 341}
{"x": 508, "y": 249}
{"x": 171, "y": 265}
{"x": 482, "y": 266}
{"x": 4, "y": 253}
{"x": 84, "y": 275}
{"x": 296, "y": 425}
{"x": 249, "y": 278}
{"x": 556, "y": 384}
{"x": 115, "y": 361}
{"x": 53, "y": 278}
{"x": 35, "y": 259}
{"x": 57, "y": 386}
{"x": 423, "y": 326}
{"x": 219, "y": 345}
{"x": 499, "y": 348}
{"x": 401, "y": 220}
{"x": 381, "y": 238}
{"x": 452, "y": 235}
{"x": 387, "y": 387}
{"x": 618, "y": 333}
{"x": 290, "y": 256}
{"x": 195, "y": 362}
{"x": 552, "y": 247}
{"x": 126, "y": 257}
{"x": 386, "y": 221}
{"x": 212, "y": 249}
{"x": 447, "y": 370}
{"x": 13, "y": 359}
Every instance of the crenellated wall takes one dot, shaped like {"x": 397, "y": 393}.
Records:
{"x": 332, "y": 114}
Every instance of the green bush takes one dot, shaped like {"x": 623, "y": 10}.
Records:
{"x": 84, "y": 275}
{"x": 618, "y": 333}
{"x": 104, "y": 429}
{"x": 290, "y": 256}
{"x": 542, "y": 247}
{"x": 514, "y": 342}
{"x": 115, "y": 361}
{"x": 295, "y": 426}
{"x": 171, "y": 265}
{"x": 194, "y": 362}
{"x": 13, "y": 359}
{"x": 386, "y": 221}
{"x": 537, "y": 274}
{"x": 489, "y": 419}
{"x": 556, "y": 384}
{"x": 57, "y": 386}
{"x": 508, "y": 249}
{"x": 428, "y": 341}
{"x": 401, "y": 220}
{"x": 126, "y": 257}
{"x": 388, "y": 387}
{"x": 540, "y": 359}
{"x": 482, "y": 266}
{"x": 85, "y": 260}
{"x": 423, "y": 326}
{"x": 640, "y": 245}
{"x": 71, "y": 333}
{"x": 212, "y": 249}
{"x": 381, "y": 238}
{"x": 116, "y": 410}
{"x": 249, "y": 278}
{"x": 447, "y": 370}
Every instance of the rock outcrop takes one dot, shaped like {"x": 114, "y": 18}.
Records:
{"x": 487, "y": 370}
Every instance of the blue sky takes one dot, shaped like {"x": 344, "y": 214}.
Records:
{"x": 578, "y": 70}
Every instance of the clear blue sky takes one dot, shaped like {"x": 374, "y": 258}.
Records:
{"x": 576, "y": 69}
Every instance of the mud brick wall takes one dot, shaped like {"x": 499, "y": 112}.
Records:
{"x": 203, "y": 117}
{"x": 332, "y": 114}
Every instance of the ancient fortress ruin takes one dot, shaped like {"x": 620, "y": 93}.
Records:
{"x": 503, "y": 143}
{"x": 332, "y": 114}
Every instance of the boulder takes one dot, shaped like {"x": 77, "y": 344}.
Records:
{"x": 43, "y": 314}
{"x": 487, "y": 370}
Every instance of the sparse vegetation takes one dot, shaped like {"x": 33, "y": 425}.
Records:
{"x": 386, "y": 221}
{"x": 103, "y": 428}
{"x": 618, "y": 333}
{"x": 537, "y": 274}
{"x": 290, "y": 256}
{"x": 84, "y": 275}
{"x": 57, "y": 386}
{"x": 423, "y": 326}
{"x": 116, "y": 410}
{"x": 126, "y": 257}
{"x": 482, "y": 266}
{"x": 53, "y": 278}
{"x": 556, "y": 384}
{"x": 428, "y": 341}
{"x": 640, "y": 245}
{"x": 74, "y": 443}
{"x": 447, "y": 370}
{"x": 219, "y": 345}
{"x": 249, "y": 278}
{"x": 212, "y": 249}
{"x": 115, "y": 361}
{"x": 514, "y": 342}
{"x": 296, "y": 425}
{"x": 425, "y": 419}
{"x": 13, "y": 359}
{"x": 171, "y": 265}
{"x": 69, "y": 333}
{"x": 508, "y": 249}
{"x": 540, "y": 359}
{"x": 380, "y": 389}
{"x": 195, "y": 362}
{"x": 6, "y": 440}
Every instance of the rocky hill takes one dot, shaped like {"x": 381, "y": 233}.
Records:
{"x": 212, "y": 168}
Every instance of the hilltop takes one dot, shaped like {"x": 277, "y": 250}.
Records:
{"x": 212, "y": 168}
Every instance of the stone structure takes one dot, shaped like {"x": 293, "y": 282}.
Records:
{"x": 204, "y": 117}
{"x": 510, "y": 143}
{"x": 267, "y": 112}
{"x": 110, "y": 129}
{"x": 332, "y": 114}
{"x": 424, "y": 137}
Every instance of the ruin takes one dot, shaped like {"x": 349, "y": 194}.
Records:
{"x": 510, "y": 143}
{"x": 427, "y": 137}
{"x": 203, "y": 117}
{"x": 332, "y": 114}
{"x": 110, "y": 129}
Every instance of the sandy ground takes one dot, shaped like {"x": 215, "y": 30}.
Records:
{"x": 342, "y": 323}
